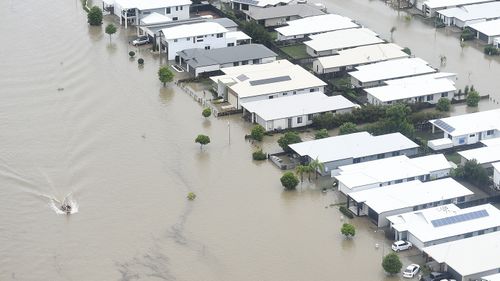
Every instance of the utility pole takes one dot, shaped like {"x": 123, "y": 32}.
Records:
{"x": 229, "y": 132}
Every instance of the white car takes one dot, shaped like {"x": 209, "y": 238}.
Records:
{"x": 411, "y": 271}
{"x": 401, "y": 246}
{"x": 140, "y": 40}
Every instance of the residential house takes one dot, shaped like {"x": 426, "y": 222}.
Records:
{"x": 347, "y": 59}
{"x": 132, "y": 11}
{"x": 389, "y": 171}
{"x": 197, "y": 61}
{"x": 487, "y": 31}
{"x": 427, "y": 88}
{"x": 353, "y": 148}
{"x": 248, "y": 5}
{"x": 468, "y": 259}
{"x": 381, "y": 202}
{"x": 298, "y": 30}
{"x": 276, "y": 79}
{"x": 294, "y": 111}
{"x": 466, "y": 129}
{"x": 469, "y": 14}
{"x": 280, "y": 15}
{"x": 204, "y": 35}
{"x": 376, "y": 74}
{"x": 329, "y": 43}
{"x": 443, "y": 224}
{"x": 485, "y": 156}
{"x": 430, "y": 7}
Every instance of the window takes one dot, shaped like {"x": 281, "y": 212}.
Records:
{"x": 294, "y": 92}
{"x": 175, "y": 40}
{"x": 175, "y": 18}
{"x": 177, "y": 8}
{"x": 381, "y": 156}
{"x": 220, "y": 35}
{"x": 244, "y": 7}
{"x": 480, "y": 232}
{"x": 443, "y": 95}
{"x": 472, "y": 135}
{"x": 461, "y": 140}
{"x": 356, "y": 160}
{"x": 287, "y": 18}
{"x": 311, "y": 90}
{"x": 490, "y": 132}
{"x": 168, "y": 10}
{"x": 245, "y": 62}
{"x": 236, "y": 63}
{"x": 189, "y": 38}
{"x": 230, "y": 44}
{"x": 309, "y": 117}
{"x": 255, "y": 61}
{"x": 430, "y": 97}
{"x": 395, "y": 153}
{"x": 271, "y": 97}
{"x": 207, "y": 47}
{"x": 399, "y": 181}
{"x": 299, "y": 120}
{"x": 285, "y": 94}
{"x": 181, "y": 8}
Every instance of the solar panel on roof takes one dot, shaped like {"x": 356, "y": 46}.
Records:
{"x": 460, "y": 218}
{"x": 242, "y": 77}
{"x": 445, "y": 126}
{"x": 270, "y": 80}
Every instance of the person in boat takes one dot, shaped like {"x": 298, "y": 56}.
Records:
{"x": 66, "y": 207}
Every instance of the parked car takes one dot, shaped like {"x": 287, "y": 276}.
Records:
{"x": 401, "y": 245}
{"x": 437, "y": 276}
{"x": 411, "y": 271}
{"x": 141, "y": 40}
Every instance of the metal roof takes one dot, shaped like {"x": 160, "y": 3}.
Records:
{"x": 301, "y": 10}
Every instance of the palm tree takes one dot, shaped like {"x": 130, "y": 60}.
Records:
{"x": 300, "y": 170}
{"x": 316, "y": 166}
{"x": 392, "y": 32}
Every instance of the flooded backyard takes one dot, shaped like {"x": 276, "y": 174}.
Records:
{"x": 80, "y": 119}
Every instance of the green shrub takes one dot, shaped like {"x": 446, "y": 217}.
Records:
{"x": 257, "y": 132}
{"x": 140, "y": 61}
{"x": 491, "y": 50}
{"x": 259, "y": 155}
{"x": 473, "y": 98}
{"x": 467, "y": 34}
{"x": 131, "y": 54}
{"x": 346, "y": 212}
{"x": 443, "y": 104}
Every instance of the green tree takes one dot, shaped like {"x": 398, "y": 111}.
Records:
{"x": 472, "y": 172}
{"x": 206, "y": 112}
{"x": 397, "y": 120}
{"x": 289, "y": 181}
{"x": 94, "y": 17}
{"x": 472, "y": 98}
{"x": 443, "y": 104}
{"x": 315, "y": 166}
{"x": 392, "y": 264}
{"x": 287, "y": 139}
{"x": 259, "y": 155}
{"x": 348, "y": 230}
{"x": 202, "y": 140}
{"x": 257, "y": 132}
{"x": 110, "y": 30}
{"x": 300, "y": 170}
{"x": 257, "y": 32}
{"x": 165, "y": 75}
{"x": 348, "y": 128}
{"x": 321, "y": 134}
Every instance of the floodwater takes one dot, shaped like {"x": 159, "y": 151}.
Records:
{"x": 80, "y": 121}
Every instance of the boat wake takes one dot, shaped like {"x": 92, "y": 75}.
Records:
{"x": 57, "y": 205}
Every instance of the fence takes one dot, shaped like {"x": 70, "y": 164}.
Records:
{"x": 201, "y": 100}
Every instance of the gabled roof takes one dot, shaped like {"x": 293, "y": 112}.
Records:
{"x": 391, "y": 69}
{"x": 409, "y": 194}
{"x": 268, "y": 78}
{"x": 155, "y": 18}
{"x": 469, "y": 123}
{"x": 471, "y": 255}
{"x": 195, "y": 29}
{"x": 352, "y": 146}
{"x": 296, "y": 105}
{"x": 316, "y": 24}
{"x": 343, "y": 39}
{"x": 472, "y": 12}
{"x": 363, "y": 55}
{"x": 301, "y": 10}
{"x": 483, "y": 155}
{"x": 202, "y": 57}
{"x": 390, "y": 169}
{"x": 490, "y": 28}
{"x": 446, "y": 221}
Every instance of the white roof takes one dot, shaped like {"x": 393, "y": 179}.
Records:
{"x": 257, "y": 79}
{"x": 390, "y": 169}
{"x": 493, "y": 277}
{"x": 150, "y": 4}
{"x": 409, "y": 194}
{"x": 391, "y": 69}
{"x": 471, "y": 255}
{"x": 483, "y": 155}
{"x": 352, "y": 146}
{"x": 413, "y": 87}
{"x": 363, "y": 55}
{"x": 469, "y": 123}
{"x": 491, "y": 142}
{"x": 195, "y": 29}
{"x": 262, "y": 3}
{"x": 496, "y": 166}
{"x": 441, "y": 142}
{"x": 239, "y": 35}
{"x": 490, "y": 28}
{"x": 472, "y": 12}
{"x": 433, "y": 4}
{"x": 342, "y": 39}
{"x": 155, "y": 18}
{"x": 296, "y": 105}
{"x": 421, "y": 223}
{"x": 316, "y": 24}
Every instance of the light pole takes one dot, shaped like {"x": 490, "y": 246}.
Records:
{"x": 229, "y": 132}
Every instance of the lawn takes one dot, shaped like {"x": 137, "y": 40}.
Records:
{"x": 453, "y": 157}
{"x": 296, "y": 51}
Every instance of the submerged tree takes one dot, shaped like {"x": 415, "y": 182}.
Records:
{"x": 202, "y": 140}
{"x": 289, "y": 181}
{"x": 473, "y": 98}
{"x": 392, "y": 264}
{"x": 165, "y": 75}
{"x": 348, "y": 230}
{"x": 258, "y": 132}
{"x": 94, "y": 17}
{"x": 287, "y": 139}
{"x": 206, "y": 112}
{"x": 110, "y": 30}
{"x": 316, "y": 166}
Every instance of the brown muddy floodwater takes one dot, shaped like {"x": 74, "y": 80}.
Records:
{"x": 79, "y": 119}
